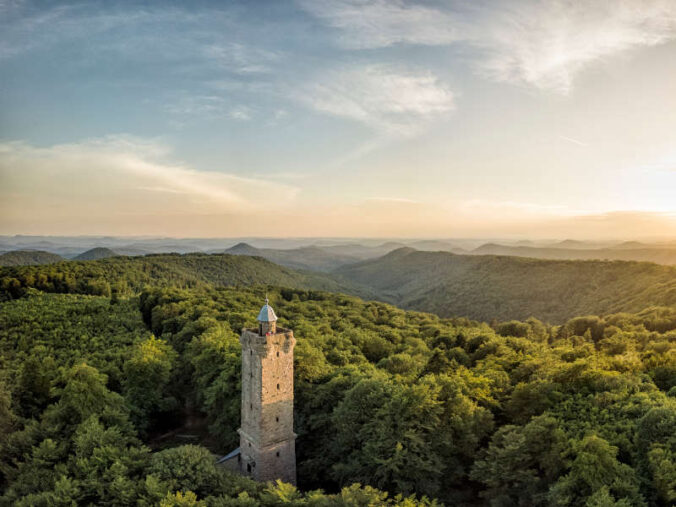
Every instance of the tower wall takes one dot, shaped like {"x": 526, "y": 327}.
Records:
{"x": 267, "y": 440}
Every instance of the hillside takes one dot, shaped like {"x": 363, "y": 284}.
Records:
{"x": 363, "y": 252}
{"x": 308, "y": 257}
{"x": 243, "y": 249}
{"x": 28, "y": 258}
{"x": 95, "y": 254}
{"x": 630, "y": 251}
{"x": 487, "y": 287}
{"x": 129, "y": 275}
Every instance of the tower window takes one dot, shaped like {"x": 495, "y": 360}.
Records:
{"x": 251, "y": 352}
{"x": 278, "y": 387}
{"x": 277, "y": 354}
{"x": 278, "y": 454}
{"x": 248, "y": 467}
{"x": 251, "y": 406}
{"x": 277, "y": 419}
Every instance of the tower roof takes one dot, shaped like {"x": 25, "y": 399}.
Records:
{"x": 267, "y": 314}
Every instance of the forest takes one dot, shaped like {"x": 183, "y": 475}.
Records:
{"x": 487, "y": 287}
{"x": 482, "y": 287}
{"x": 392, "y": 407}
{"x": 124, "y": 276}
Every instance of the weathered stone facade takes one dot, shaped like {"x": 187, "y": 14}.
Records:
{"x": 267, "y": 440}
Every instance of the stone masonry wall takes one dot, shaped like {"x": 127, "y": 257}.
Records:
{"x": 267, "y": 440}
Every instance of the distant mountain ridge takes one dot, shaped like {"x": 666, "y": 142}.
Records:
{"x": 96, "y": 254}
{"x": 28, "y": 258}
{"x": 487, "y": 286}
{"x": 629, "y": 251}
{"x": 188, "y": 270}
{"x": 309, "y": 257}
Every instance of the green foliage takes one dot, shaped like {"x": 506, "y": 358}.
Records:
{"x": 392, "y": 407}
{"x": 28, "y": 257}
{"x": 134, "y": 273}
{"x": 146, "y": 376}
{"x": 186, "y": 468}
{"x": 491, "y": 287}
{"x": 522, "y": 462}
{"x": 596, "y": 477}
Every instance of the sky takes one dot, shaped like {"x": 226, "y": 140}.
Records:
{"x": 329, "y": 118}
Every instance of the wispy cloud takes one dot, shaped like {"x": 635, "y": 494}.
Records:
{"x": 121, "y": 173}
{"x": 573, "y": 140}
{"x": 389, "y": 101}
{"x": 541, "y": 43}
{"x": 240, "y": 58}
{"x": 206, "y": 106}
{"x": 199, "y": 37}
{"x": 382, "y": 23}
{"x": 546, "y": 44}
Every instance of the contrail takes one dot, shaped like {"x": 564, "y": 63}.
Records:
{"x": 574, "y": 141}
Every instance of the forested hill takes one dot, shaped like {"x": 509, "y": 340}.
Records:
{"x": 495, "y": 287}
{"x": 629, "y": 251}
{"x": 28, "y": 257}
{"x": 307, "y": 257}
{"x": 129, "y": 275}
{"x": 95, "y": 254}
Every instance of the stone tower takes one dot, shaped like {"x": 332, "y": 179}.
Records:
{"x": 267, "y": 441}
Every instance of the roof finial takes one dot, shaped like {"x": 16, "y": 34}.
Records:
{"x": 266, "y": 298}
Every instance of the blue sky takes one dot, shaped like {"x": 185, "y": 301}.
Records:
{"x": 519, "y": 118}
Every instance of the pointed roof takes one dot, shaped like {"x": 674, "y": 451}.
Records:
{"x": 267, "y": 314}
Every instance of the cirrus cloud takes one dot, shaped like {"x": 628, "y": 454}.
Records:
{"x": 120, "y": 175}
{"x": 389, "y": 101}
{"x": 541, "y": 43}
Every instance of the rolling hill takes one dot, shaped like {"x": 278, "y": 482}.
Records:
{"x": 487, "y": 286}
{"x": 129, "y": 275}
{"x": 630, "y": 251}
{"x": 28, "y": 258}
{"x": 307, "y": 257}
{"x": 95, "y": 254}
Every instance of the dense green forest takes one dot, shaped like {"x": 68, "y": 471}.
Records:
{"x": 392, "y": 406}
{"x": 629, "y": 251}
{"x": 487, "y": 287}
{"x": 95, "y": 254}
{"x": 124, "y": 276}
{"x": 479, "y": 287}
{"x": 28, "y": 257}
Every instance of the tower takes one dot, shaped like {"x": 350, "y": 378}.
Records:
{"x": 267, "y": 441}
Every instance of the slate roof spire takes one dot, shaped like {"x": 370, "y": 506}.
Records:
{"x": 267, "y": 314}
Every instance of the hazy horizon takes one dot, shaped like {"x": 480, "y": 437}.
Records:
{"x": 542, "y": 240}
{"x": 339, "y": 118}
